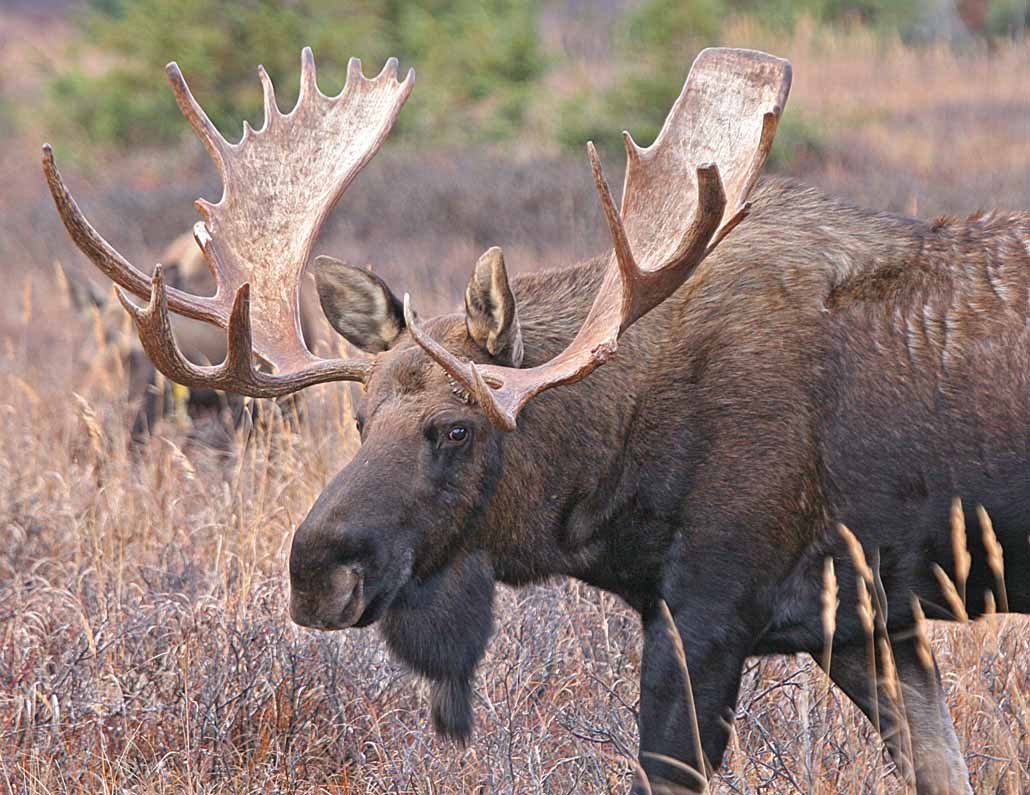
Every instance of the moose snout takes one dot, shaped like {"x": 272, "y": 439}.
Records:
{"x": 337, "y": 605}
{"x": 350, "y": 555}
{"x": 331, "y": 569}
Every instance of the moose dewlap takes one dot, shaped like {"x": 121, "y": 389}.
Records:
{"x": 766, "y": 364}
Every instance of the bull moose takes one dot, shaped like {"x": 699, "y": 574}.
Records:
{"x": 764, "y": 363}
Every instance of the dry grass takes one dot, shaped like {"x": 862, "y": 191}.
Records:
{"x": 144, "y": 643}
{"x": 145, "y": 647}
{"x": 926, "y": 130}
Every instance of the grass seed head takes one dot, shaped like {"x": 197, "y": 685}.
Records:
{"x": 857, "y": 554}
{"x": 950, "y": 592}
{"x": 959, "y": 546}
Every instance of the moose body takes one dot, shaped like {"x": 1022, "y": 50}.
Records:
{"x": 826, "y": 365}
{"x": 770, "y": 372}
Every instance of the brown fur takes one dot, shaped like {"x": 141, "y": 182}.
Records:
{"x": 826, "y": 364}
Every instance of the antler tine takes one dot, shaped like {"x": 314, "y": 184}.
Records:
{"x": 308, "y": 76}
{"x": 389, "y": 70}
{"x": 113, "y": 264}
{"x": 620, "y": 243}
{"x": 354, "y": 73}
{"x": 268, "y": 96}
{"x": 663, "y": 230}
{"x": 237, "y": 373}
{"x": 451, "y": 364}
{"x": 632, "y": 150}
{"x": 644, "y": 289}
{"x": 109, "y": 261}
{"x": 154, "y": 326}
{"x": 213, "y": 141}
{"x": 239, "y": 349}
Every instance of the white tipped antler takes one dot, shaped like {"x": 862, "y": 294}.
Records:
{"x": 681, "y": 197}
{"x": 280, "y": 183}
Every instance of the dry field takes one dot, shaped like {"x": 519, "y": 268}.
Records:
{"x": 144, "y": 642}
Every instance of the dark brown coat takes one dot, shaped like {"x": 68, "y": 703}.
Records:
{"x": 825, "y": 365}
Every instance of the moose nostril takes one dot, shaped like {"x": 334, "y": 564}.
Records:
{"x": 346, "y": 582}
{"x": 339, "y": 603}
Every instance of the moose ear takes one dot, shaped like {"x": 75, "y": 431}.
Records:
{"x": 490, "y": 315}
{"x": 358, "y": 304}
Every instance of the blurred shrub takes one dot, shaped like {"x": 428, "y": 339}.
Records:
{"x": 659, "y": 39}
{"x": 480, "y": 59}
{"x": 1007, "y": 18}
{"x": 7, "y": 125}
{"x": 799, "y": 138}
{"x": 656, "y": 43}
{"x": 899, "y": 16}
{"x": 476, "y": 61}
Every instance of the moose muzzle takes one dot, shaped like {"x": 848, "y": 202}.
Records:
{"x": 337, "y": 606}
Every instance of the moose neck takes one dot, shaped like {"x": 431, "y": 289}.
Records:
{"x": 595, "y": 476}
{"x": 563, "y": 466}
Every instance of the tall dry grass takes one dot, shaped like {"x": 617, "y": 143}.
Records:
{"x": 145, "y": 646}
{"x": 144, "y": 643}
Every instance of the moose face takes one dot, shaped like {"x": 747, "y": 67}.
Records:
{"x": 408, "y": 502}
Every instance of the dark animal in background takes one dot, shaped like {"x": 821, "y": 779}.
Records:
{"x": 770, "y": 370}
{"x": 214, "y": 412}
{"x": 151, "y": 396}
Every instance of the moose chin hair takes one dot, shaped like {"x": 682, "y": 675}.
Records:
{"x": 439, "y": 627}
{"x": 452, "y": 708}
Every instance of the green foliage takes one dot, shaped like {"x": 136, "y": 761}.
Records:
{"x": 659, "y": 41}
{"x": 1007, "y": 18}
{"x": 480, "y": 64}
{"x": 476, "y": 61}
{"x": 670, "y": 25}
{"x": 481, "y": 61}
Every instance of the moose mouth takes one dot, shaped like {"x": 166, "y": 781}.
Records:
{"x": 330, "y": 613}
{"x": 375, "y": 609}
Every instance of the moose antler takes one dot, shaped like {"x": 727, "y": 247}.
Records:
{"x": 279, "y": 184}
{"x": 681, "y": 197}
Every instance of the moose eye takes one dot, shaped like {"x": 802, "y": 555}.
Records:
{"x": 457, "y": 434}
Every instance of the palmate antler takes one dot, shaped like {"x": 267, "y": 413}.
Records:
{"x": 681, "y": 197}
{"x": 280, "y": 183}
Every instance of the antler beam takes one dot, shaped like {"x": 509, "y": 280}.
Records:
{"x": 681, "y": 197}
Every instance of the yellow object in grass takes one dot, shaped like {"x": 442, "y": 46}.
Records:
{"x": 180, "y": 401}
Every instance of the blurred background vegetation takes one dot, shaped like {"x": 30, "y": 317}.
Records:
{"x": 478, "y": 61}
{"x": 909, "y": 105}
{"x": 484, "y": 72}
